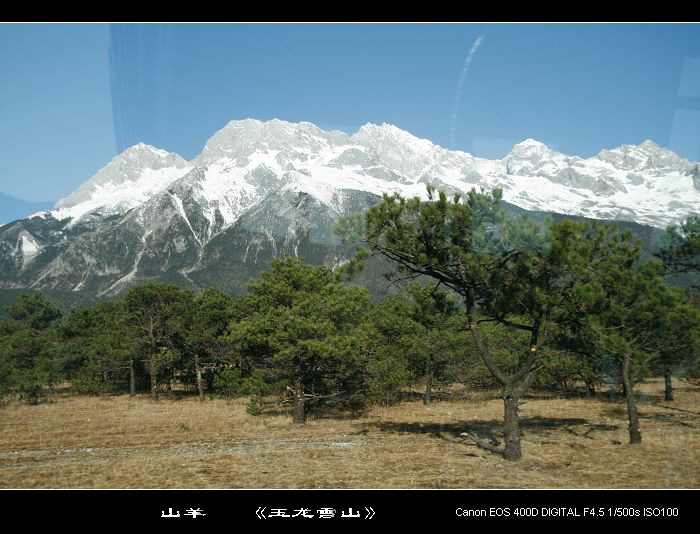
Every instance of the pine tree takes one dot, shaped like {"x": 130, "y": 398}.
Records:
{"x": 155, "y": 314}
{"x": 436, "y": 344}
{"x": 623, "y": 310}
{"x": 94, "y": 348}
{"x": 680, "y": 251}
{"x": 205, "y": 323}
{"x": 303, "y": 328}
{"x": 27, "y": 363}
{"x": 510, "y": 271}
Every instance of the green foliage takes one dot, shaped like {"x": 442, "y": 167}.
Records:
{"x": 511, "y": 271}
{"x": 34, "y": 311}
{"x": 230, "y": 383}
{"x": 256, "y": 405}
{"x": 88, "y": 382}
{"x": 388, "y": 341}
{"x": 567, "y": 371}
{"x": 302, "y": 326}
{"x": 676, "y": 343}
{"x": 680, "y": 251}
{"x": 94, "y": 347}
{"x": 157, "y": 317}
{"x": 625, "y": 311}
{"x": 156, "y": 312}
{"x": 27, "y": 366}
{"x": 227, "y": 383}
{"x": 207, "y": 321}
{"x": 439, "y": 340}
{"x": 388, "y": 375}
{"x": 506, "y": 350}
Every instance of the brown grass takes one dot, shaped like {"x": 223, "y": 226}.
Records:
{"x": 117, "y": 442}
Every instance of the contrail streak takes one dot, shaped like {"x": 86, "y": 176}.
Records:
{"x": 458, "y": 95}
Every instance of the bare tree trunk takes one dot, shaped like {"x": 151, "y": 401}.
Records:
{"x": 514, "y": 386}
{"x": 152, "y": 361}
{"x": 632, "y": 415}
{"x": 132, "y": 379}
{"x": 591, "y": 389}
{"x": 154, "y": 378}
{"x": 668, "y": 394}
{"x": 198, "y": 370}
{"x": 299, "y": 408}
{"x": 511, "y": 425}
{"x": 428, "y": 381}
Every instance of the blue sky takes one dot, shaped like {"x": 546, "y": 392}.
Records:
{"x": 73, "y": 95}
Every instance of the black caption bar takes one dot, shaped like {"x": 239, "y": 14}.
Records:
{"x": 189, "y": 508}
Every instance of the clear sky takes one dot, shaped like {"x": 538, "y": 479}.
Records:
{"x": 73, "y": 96}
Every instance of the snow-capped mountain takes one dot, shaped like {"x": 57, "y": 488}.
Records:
{"x": 246, "y": 159}
{"x": 127, "y": 181}
{"x": 260, "y": 189}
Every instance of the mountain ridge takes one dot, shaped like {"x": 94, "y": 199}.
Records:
{"x": 390, "y": 154}
{"x": 261, "y": 189}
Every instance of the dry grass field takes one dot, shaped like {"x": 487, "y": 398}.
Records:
{"x": 118, "y": 442}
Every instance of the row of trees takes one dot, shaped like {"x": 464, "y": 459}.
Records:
{"x": 493, "y": 300}
{"x": 300, "y": 330}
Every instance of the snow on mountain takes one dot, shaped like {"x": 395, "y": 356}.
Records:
{"x": 128, "y": 180}
{"x": 238, "y": 140}
{"x": 28, "y": 246}
{"x": 260, "y": 189}
{"x": 646, "y": 183}
{"x": 248, "y": 159}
